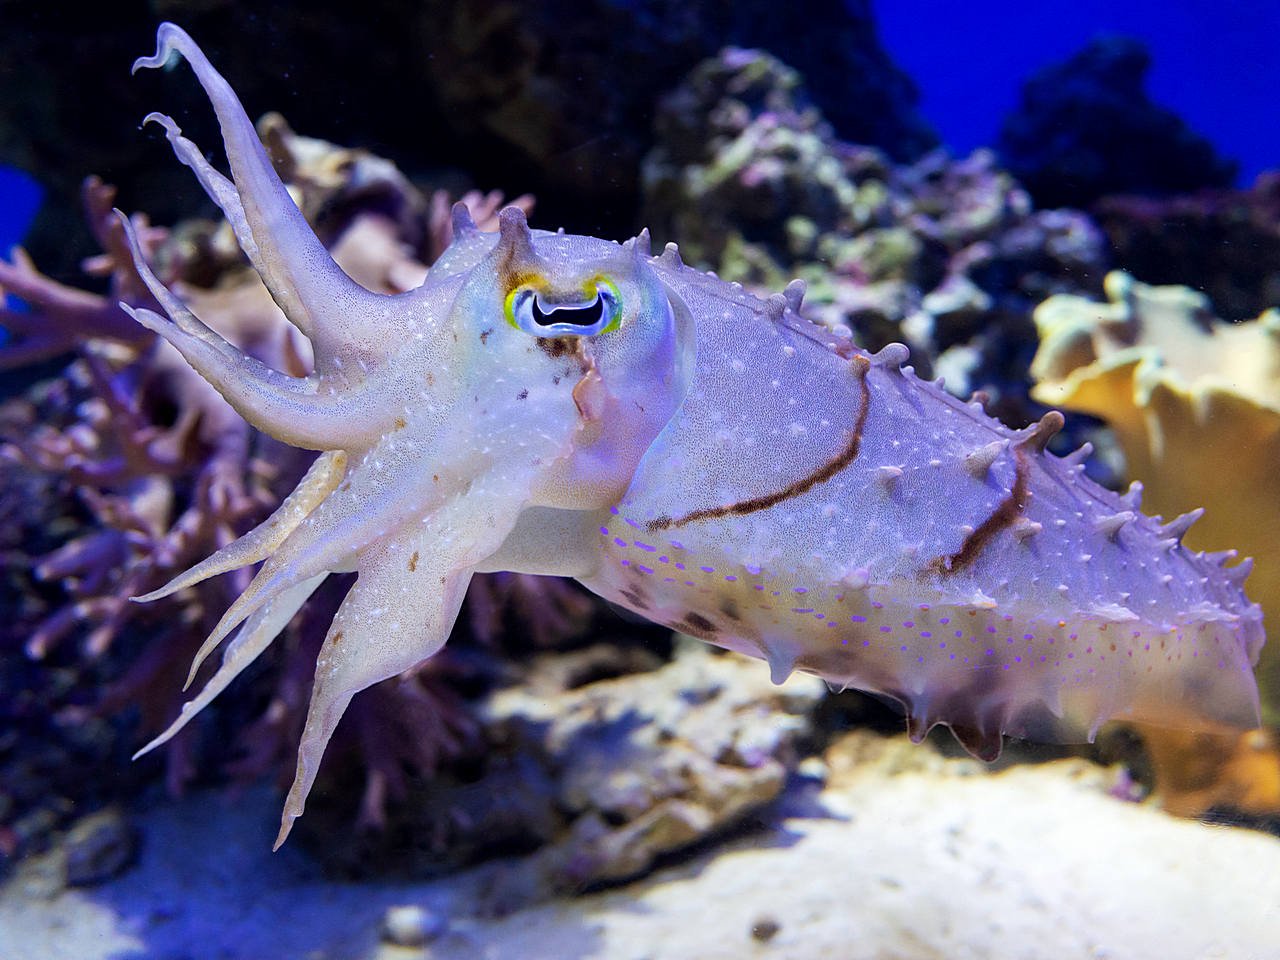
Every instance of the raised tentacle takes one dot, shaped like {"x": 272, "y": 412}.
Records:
{"x": 288, "y": 408}
{"x": 322, "y": 301}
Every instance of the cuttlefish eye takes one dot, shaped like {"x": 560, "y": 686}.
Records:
{"x": 598, "y": 311}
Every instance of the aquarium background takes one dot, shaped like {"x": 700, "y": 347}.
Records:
{"x": 562, "y": 781}
{"x": 1212, "y": 63}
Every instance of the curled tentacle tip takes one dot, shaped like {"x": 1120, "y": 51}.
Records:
{"x": 171, "y": 128}
{"x": 166, "y": 35}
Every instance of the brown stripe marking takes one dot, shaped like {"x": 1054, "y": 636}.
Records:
{"x": 1034, "y": 439}
{"x": 795, "y": 489}
{"x": 1009, "y": 510}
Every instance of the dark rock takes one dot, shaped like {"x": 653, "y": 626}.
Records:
{"x": 1225, "y": 243}
{"x": 1086, "y": 128}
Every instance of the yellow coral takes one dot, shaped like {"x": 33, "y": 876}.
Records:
{"x": 1195, "y": 406}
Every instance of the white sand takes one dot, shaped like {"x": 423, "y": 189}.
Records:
{"x": 920, "y": 865}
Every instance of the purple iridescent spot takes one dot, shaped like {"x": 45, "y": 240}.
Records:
{"x": 646, "y": 547}
{"x": 619, "y": 541}
{"x": 679, "y": 566}
{"x": 886, "y": 629}
{"x": 626, "y": 563}
{"x": 908, "y": 624}
{"x": 730, "y": 578}
{"x": 857, "y": 619}
{"x": 926, "y": 634}
{"x": 643, "y": 569}
{"x": 990, "y": 652}
{"x": 707, "y": 569}
{"x": 605, "y": 531}
{"x": 614, "y": 511}
{"x": 802, "y": 589}
{"x": 866, "y": 643}
{"x": 664, "y": 559}
{"x": 1028, "y": 636}
{"x": 944, "y": 620}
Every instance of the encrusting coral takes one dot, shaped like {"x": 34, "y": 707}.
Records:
{"x": 947, "y": 256}
{"x": 1195, "y": 406}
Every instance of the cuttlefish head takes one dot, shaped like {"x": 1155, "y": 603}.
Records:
{"x": 576, "y": 333}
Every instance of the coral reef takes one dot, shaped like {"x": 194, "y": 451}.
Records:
{"x": 946, "y": 256}
{"x": 1195, "y": 406}
{"x": 545, "y": 96}
{"x": 129, "y": 467}
{"x": 1086, "y": 128}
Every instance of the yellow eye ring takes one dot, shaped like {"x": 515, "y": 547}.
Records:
{"x": 600, "y": 310}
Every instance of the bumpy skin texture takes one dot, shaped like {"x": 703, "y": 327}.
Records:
{"x": 560, "y": 404}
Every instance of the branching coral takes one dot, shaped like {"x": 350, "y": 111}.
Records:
{"x": 161, "y": 472}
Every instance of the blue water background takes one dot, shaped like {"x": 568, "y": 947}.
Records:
{"x": 1216, "y": 63}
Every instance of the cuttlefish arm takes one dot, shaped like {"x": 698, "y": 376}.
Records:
{"x": 473, "y": 423}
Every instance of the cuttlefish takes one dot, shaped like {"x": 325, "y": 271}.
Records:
{"x": 567, "y": 405}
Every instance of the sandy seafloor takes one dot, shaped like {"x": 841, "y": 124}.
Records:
{"x": 894, "y": 861}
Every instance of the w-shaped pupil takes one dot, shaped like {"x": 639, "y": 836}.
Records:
{"x": 579, "y": 316}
